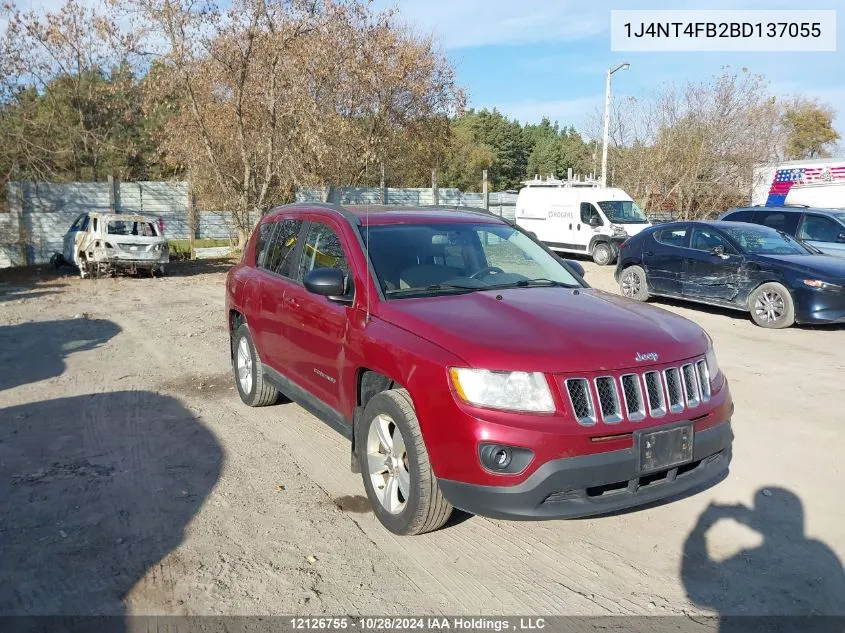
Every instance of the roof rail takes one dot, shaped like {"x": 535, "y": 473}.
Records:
{"x": 351, "y": 217}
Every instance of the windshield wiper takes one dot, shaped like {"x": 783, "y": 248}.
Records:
{"x": 434, "y": 288}
{"x": 533, "y": 283}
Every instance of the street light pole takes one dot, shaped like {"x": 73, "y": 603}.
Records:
{"x": 610, "y": 71}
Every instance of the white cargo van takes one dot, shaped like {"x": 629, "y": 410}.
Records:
{"x": 579, "y": 216}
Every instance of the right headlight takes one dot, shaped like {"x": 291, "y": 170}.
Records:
{"x": 712, "y": 363}
{"x": 508, "y": 390}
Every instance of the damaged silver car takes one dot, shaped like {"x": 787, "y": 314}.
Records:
{"x": 101, "y": 244}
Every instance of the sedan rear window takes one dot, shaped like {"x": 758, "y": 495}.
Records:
{"x": 123, "y": 227}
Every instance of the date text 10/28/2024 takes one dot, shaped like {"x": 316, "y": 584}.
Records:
{"x": 422, "y": 623}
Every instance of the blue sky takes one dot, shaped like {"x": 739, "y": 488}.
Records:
{"x": 531, "y": 58}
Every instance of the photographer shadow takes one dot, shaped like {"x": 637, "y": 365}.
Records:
{"x": 787, "y": 575}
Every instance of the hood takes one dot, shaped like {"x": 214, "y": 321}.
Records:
{"x": 827, "y": 267}
{"x": 548, "y": 329}
{"x": 633, "y": 229}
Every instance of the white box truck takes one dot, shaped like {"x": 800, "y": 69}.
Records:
{"x": 579, "y": 216}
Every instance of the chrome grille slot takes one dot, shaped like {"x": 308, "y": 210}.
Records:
{"x": 582, "y": 400}
{"x": 674, "y": 389}
{"x": 691, "y": 391}
{"x": 632, "y": 392}
{"x": 703, "y": 379}
{"x": 611, "y": 411}
{"x": 656, "y": 397}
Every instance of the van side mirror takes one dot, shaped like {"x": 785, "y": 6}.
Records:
{"x": 595, "y": 221}
{"x": 329, "y": 283}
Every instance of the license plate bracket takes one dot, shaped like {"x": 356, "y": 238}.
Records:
{"x": 663, "y": 449}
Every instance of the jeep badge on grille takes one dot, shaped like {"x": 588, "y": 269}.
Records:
{"x": 652, "y": 356}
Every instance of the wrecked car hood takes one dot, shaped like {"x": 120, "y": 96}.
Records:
{"x": 825, "y": 266}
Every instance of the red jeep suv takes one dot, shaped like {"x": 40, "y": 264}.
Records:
{"x": 471, "y": 367}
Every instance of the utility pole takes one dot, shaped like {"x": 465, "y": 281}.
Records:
{"x": 484, "y": 191}
{"x": 610, "y": 71}
{"x": 435, "y": 192}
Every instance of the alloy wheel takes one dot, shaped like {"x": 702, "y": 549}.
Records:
{"x": 387, "y": 461}
{"x": 769, "y": 306}
{"x": 631, "y": 284}
{"x": 244, "y": 366}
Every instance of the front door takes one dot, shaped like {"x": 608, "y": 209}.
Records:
{"x": 318, "y": 326}
{"x": 712, "y": 266}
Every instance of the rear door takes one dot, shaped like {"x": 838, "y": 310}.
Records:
{"x": 708, "y": 275}
{"x": 663, "y": 258}
{"x": 823, "y": 232}
{"x": 786, "y": 221}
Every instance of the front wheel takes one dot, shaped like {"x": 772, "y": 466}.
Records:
{"x": 394, "y": 462}
{"x": 772, "y": 306}
{"x": 602, "y": 253}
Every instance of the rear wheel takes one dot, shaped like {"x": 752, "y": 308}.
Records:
{"x": 772, "y": 306}
{"x": 633, "y": 283}
{"x": 249, "y": 373}
{"x": 394, "y": 464}
{"x": 602, "y": 253}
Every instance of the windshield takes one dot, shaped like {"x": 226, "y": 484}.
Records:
{"x": 623, "y": 212}
{"x": 434, "y": 259}
{"x": 840, "y": 217}
{"x": 761, "y": 241}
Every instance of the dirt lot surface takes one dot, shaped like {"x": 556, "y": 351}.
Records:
{"x": 132, "y": 480}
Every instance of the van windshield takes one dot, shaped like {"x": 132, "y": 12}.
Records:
{"x": 623, "y": 212}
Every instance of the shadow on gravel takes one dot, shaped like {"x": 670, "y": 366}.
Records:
{"x": 36, "y": 350}
{"x": 190, "y": 268}
{"x": 95, "y": 491}
{"x": 787, "y": 575}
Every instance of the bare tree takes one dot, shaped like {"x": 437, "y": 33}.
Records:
{"x": 270, "y": 95}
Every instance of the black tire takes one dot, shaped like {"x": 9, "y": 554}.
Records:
{"x": 260, "y": 393}
{"x": 633, "y": 283}
{"x": 771, "y": 306}
{"x": 425, "y": 509}
{"x": 602, "y": 253}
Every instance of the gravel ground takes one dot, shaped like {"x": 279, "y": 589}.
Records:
{"x": 132, "y": 480}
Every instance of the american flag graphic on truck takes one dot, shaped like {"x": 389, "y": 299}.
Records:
{"x": 786, "y": 177}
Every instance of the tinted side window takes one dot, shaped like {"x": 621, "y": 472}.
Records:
{"x": 739, "y": 216}
{"x": 786, "y": 222}
{"x": 818, "y": 228}
{"x": 707, "y": 239}
{"x": 282, "y": 248}
{"x": 262, "y": 241}
{"x": 77, "y": 223}
{"x": 672, "y": 237}
{"x": 322, "y": 249}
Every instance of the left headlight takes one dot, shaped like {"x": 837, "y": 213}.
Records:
{"x": 509, "y": 390}
{"x": 823, "y": 285}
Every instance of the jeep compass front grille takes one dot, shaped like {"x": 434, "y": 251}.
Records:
{"x": 653, "y": 394}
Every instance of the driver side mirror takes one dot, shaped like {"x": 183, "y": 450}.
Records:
{"x": 576, "y": 266}
{"x": 595, "y": 221}
{"x": 719, "y": 251}
{"x": 841, "y": 237}
{"x": 329, "y": 283}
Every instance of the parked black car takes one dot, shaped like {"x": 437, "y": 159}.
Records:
{"x": 823, "y": 229}
{"x": 736, "y": 265}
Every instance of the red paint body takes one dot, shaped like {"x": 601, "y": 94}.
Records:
{"x": 559, "y": 331}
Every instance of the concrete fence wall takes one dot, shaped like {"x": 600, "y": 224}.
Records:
{"x": 40, "y": 214}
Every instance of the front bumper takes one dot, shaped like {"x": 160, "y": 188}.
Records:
{"x": 819, "y": 306}
{"x": 588, "y": 485}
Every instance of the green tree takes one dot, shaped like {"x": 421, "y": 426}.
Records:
{"x": 809, "y": 129}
